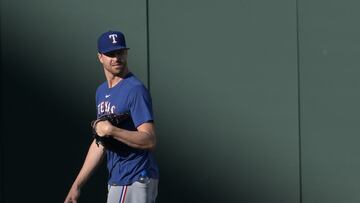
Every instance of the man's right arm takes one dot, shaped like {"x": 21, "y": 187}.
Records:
{"x": 93, "y": 159}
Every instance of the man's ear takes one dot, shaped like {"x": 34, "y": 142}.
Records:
{"x": 100, "y": 57}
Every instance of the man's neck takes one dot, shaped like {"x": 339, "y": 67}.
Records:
{"x": 115, "y": 79}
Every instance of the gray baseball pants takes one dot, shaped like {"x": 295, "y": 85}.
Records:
{"x": 137, "y": 192}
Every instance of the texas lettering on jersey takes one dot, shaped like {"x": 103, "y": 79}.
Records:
{"x": 105, "y": 107}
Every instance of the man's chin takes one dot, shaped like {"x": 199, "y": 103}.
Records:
{"x": 119, "y": 70}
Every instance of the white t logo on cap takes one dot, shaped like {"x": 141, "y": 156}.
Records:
{"x": 113, "y": 37}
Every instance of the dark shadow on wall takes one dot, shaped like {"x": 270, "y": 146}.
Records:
{"x": 198, "y": 180}
{"x": 47, "y": 134}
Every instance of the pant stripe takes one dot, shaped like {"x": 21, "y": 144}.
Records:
{"x": 123, "y": 194}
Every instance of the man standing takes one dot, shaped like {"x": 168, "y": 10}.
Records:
{"x": 133, "y": 172}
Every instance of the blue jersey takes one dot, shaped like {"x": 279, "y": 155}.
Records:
{"x": 125, "y": 164}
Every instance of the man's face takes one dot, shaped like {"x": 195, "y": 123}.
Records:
{"x": 114, "y": 62}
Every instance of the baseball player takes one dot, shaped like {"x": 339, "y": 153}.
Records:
{"x": 133, "y": 172}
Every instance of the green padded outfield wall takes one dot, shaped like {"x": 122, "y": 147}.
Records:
{"x": 224, "y": 80}
{"x": 224, "y": 83}
{"x": 49, "y": 76}
{"x": 330, "y": 97}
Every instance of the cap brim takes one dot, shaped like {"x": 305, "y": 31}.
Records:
{"x": 115, "y": 48}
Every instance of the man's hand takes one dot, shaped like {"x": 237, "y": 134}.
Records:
{"x": 72, "y": 196}
{"x": 103, "y": 128}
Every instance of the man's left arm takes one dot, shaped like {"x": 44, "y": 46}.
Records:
{"x": 143, "y": 138}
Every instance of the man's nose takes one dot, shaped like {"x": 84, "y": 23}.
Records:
{"x": 118, "y": 56}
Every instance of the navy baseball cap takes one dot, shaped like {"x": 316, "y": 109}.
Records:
{"x": 111, "y": 41}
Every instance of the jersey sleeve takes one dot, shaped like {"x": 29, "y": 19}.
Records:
{"x": 140, "y": 105}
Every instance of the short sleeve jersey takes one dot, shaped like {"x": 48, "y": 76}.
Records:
{"x": 125, "y": 164}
